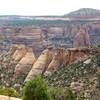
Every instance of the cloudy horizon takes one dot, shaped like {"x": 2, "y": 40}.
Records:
{"x": 44, "y": 7}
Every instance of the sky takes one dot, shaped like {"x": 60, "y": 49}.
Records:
{"x": 44, "y": 7}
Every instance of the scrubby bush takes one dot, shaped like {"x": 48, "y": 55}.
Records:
{"x": 36, "y": 89}
{"x": 57, "y": 93}
{"x": 98, "y": 79}
{"x": 8, "y": 92}
{"x": 61, "y": 94}
{"x": 98, "y": 45}
{"x": 69, "y": 95}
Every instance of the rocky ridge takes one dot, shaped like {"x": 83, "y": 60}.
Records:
{"x": 13, "y": 63}
{"x": 82, "y": 77}
{"x": 60, "y": 66}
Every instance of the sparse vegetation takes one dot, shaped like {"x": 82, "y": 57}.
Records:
{"x": 36, "y": 89}
{"x": 8, "y": 92}
{"x": 80, "y": 72}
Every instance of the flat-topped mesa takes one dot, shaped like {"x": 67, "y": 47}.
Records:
{"x": 82, "y": 38}
{"x": 25, "y": 64}
{"x": 41, "y": 64}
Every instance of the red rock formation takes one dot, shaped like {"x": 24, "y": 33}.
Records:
{"x": 81, "y": 39}
{"x": 25, "y": 64}
{"x": 75, "y": 54}
{"x": 41, "y": 64}
{"x": 19, "y": 52}
{"x": 57, "y": 60}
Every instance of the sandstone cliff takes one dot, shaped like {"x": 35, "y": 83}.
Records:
{"x": 40, "y": 65}
{"x": 81, "y": 39}
{"x": 25, "y": 64}
{"x": 19, "y": 52}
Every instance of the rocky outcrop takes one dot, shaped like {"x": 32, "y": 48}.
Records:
{"x": 76, "y": 54}
{"x": 41, "y": 64}
{"x": 63, "y": 58}
{"x": 25, "y": 64}
{"x": 57, "y": 60}
{"x": 76, "y": 86}
{"x": 78, "y": 76}
{"x": 19, "y": 52}
{"x": 16, "y": 64}
{"x": 81, "y": 39}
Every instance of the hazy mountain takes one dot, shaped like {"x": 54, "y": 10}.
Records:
{"x": 84, "y": 12}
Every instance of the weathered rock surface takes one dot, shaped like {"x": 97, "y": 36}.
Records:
{"x": 15, "y": 65}
{"x": 41, "y": 64}
{"x": 25, "y": 64}
{"x": 81, "y": 77}
{"x": 19, "y": 52}
{"x": 8, "y": 98}
{"x": 57, "y": 60}
{"x": 82, "y": 39}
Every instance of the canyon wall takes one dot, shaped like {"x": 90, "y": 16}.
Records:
{"x": 39, "y": 38}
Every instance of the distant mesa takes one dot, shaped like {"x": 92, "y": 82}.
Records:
{"x": 84, "y": 12}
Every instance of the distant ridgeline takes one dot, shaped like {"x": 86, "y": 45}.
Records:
{"x": 81, "y": 16}
{"x": 58, "y": 31}
{"x": 84, "y": 12}
{"x": 46, "y": 23}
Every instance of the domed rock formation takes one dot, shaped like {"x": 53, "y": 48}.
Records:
{"x": 41, "y": 64}
{"x": 57, "y": 60}
{"x": 25, "y": 64}
{"x": 81, "y": 39}
{"x": 19, "y": 52}
{"x": 12, "y": 49}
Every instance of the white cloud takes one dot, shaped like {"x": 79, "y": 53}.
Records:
{"x": 44, "y": 7}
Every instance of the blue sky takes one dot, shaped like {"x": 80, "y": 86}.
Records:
{"x": 44, "y": 7}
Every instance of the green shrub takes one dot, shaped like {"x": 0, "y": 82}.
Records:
{"x": 69, "y": 95}
{"x": 61, "y": 94}
{"x": 36, "y": 89}
{"x": 98, "y": 45}
{"x": 56, "y": 93}
{"x": 8, "y": 92}
{"x": 98, "y": 79}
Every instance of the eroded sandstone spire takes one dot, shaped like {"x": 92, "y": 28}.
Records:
{"x": 82, "y": 38}
{"x": 41, "y": 64}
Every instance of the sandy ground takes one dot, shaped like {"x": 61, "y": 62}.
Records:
{"x": 8, "y": 98}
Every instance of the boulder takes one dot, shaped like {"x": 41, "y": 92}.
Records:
{"x": 77, "y": 86}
